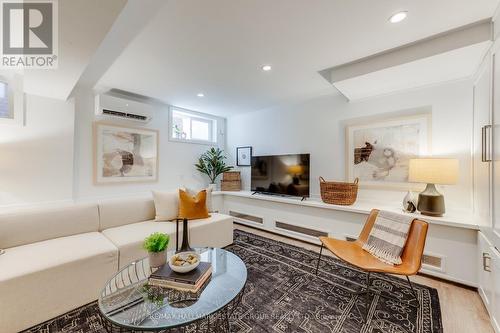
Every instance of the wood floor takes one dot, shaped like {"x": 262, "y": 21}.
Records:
{"x": 462, "y": 309}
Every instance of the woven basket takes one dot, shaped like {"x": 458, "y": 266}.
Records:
{"x": 338, "y": 193}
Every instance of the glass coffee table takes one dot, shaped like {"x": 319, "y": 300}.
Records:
{"x": 128, "y": 304}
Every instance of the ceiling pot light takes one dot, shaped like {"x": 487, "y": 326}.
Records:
{"x": 200, "y": 95}
{"x": 266, "y": 68}
{"x": 398, "y": 17}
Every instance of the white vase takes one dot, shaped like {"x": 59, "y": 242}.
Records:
{"x": 212, "y": 186}
{"x": 409, "y": 203}
{"x": 157, "y": 259}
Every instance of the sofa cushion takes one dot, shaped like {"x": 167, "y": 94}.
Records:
{"x": 117, "y": 212}
{"x": 193, "y": 192}
{"x": 215, "y": 231}
{"x": 24, "y": 226}
{"x": 55, "y": 275}
{"x": 193, "y": 207}
{"x": 166, "y": 205}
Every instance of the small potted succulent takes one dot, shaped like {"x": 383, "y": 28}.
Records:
{"x": 156, "y": 244}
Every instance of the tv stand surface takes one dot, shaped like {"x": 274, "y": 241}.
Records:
{"x": 360, "y": 207}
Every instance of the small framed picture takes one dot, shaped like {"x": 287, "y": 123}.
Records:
{"x": 243, "y": 156}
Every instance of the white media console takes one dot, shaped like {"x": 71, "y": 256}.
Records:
{"x": 451, "y": 247}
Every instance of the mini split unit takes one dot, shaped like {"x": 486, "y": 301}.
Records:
{"x": 107, "y": 106}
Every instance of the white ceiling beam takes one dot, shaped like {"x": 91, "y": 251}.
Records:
{"x": 441, "y": 43}
{"x": 83, "y": 25}
{"x": 131, "y": 21}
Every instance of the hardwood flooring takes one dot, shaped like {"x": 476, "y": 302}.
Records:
{"x": 461, "y": 307}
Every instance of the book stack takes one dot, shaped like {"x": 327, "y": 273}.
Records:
{"x": 192, "y": 281}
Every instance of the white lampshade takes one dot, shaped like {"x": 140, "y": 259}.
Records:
{"x": 434, "y": 171}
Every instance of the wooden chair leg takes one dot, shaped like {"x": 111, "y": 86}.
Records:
{"x": 319, "y": 258}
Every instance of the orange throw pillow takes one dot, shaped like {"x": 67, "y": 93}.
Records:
{"x": 193, "y": 208}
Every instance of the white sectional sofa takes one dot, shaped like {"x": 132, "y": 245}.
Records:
{"x": 58, "y": 258}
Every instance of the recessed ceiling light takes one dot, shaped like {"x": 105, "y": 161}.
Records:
{"x": 266, "y": 68}
{"x": 200, "y": 95}
{"x": 398, "y": 17}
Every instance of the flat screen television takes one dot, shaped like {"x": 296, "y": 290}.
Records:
{"x": 286, "y": 175}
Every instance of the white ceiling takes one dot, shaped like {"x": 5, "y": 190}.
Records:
{"x": 217, "y": 47}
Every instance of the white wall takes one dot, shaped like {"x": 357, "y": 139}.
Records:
{"x": 36, "y": 160}
{"x": 317, "y": 127}
{"x": 176, "y": 158}
{"x": 51, "y": 158}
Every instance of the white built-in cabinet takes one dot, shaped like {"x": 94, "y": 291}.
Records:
{"x": 489, "y": 278}
{"x": 495, "y": 159}
{"x": 495, "y": 293}
{"x": 485, "y": 278}
{"x": 486, "y": 150}
{"x": 482, "y": 147}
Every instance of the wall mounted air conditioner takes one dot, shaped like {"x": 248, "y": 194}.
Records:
{"x": 107, "y": 106}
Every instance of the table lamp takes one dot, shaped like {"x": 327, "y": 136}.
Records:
{"x": 433, "y": 171}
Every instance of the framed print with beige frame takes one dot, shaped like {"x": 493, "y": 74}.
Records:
{"x": 379, "y": 150}
{"x": 124, "y": 154}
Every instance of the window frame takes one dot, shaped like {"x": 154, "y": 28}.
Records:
{"x": 198, "y": 116}
{"x": 15, "y": 96}
{"x": 9, "y": 94}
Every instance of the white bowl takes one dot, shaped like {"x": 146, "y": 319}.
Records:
{"x": 185, "y": 268}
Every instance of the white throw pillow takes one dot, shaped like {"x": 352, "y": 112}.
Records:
{"x": 208, "y": 203}
{"x": 166, "y": 205}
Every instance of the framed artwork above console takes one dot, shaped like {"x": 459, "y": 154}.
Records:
{"x": 379, "y": 151}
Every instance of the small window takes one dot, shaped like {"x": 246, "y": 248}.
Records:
{"x": 4, "y": 101}
{"x": 192, "y": 127}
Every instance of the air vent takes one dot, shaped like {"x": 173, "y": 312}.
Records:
{"x": 246, "y": 217}
{"x": 433, "y": 262}
{"x": 124, "y": 115}
{"x": 300, "y": 230}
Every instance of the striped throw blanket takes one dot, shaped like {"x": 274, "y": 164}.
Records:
{"x": 388, "y": 237}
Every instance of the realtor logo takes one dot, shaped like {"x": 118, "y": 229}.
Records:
{"x": 29, "y": 34}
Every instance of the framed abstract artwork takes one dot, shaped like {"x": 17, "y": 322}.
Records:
{"x": 378, "y": 152}
{"x": 244, "y": 156}
{"x": 124, "y": 154}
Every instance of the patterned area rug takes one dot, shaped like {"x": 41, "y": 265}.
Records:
{"x": 284, "y": 295}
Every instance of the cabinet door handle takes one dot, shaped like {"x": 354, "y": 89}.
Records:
{"x": 486, "y": 262}
{"x": 483, "y": 139}
{"x": 486, "y": 143}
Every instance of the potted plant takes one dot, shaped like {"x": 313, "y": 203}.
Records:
{"x": 156, "y": 244}
{"x": 212, "y": 164}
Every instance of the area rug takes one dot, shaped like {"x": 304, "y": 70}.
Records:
{"x": 284, "y": 295}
